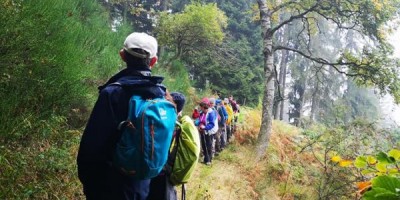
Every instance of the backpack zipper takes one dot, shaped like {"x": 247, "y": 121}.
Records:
{"x": 151, "y": 130}
{"x": 152, "y": 140}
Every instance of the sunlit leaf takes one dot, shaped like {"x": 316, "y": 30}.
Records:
{"x": 367, "y": 171}
{"x": 363, "y": 185}
{"x": 393, "y": 171}
{"x": 395, "y": 153}
{"x": 336, "y": 159}
{"x": 379, "y": 174}
{"x": 381, "y": 167}
{"x": 371, "y": 160}
{"x": 360, "y": 162}
{"x": 345, "y": 163}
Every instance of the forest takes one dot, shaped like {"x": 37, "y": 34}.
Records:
{"x": 309, "y": 76}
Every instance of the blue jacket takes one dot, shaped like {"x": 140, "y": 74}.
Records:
{"x": 99, "y": 178}
{"x": 222, "y": 113}
{"x": 211, "y": 118}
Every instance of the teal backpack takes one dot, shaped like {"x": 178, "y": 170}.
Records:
{"x": 142, "y": 150}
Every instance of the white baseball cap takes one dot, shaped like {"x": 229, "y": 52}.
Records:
{"x": 141, "y": 41}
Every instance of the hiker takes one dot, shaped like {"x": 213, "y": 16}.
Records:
{"x": 221, "y": 136}
{"x": 208, "y": 126}
{"x": 229, "y": 120}
{"x": 236, "y": 111}
{"x": 160, "y": 186}
{"x": 216, "y": 136}
{"x": 196, "y": 113}
{"x": 100, "y": 179}
{"x": 182, "y": 159}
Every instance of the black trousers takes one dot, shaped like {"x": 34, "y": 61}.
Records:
{"x": 161, "y": 189}
{"x": 207, "y": 144}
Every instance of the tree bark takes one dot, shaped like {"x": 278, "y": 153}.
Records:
{"x": 268, "y": 95}
{"x": 315, "y": 101}
{"x": 283, "y": 83}
{"x": 279, "y": 101}
{"x": 282, "y": 75}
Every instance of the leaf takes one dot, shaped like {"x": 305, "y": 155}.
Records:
{"x": 371, "y": 160}
{"x": 395, "y": 153}
{"x": 363, "y": 185}
{"x": 336, "y": 159}
{"x": 381, "y": 167}
{"x": 345, "y": 163}
{"x": 361, "y": 162}
{"x": 383, "y": 158}
{"x": 393, "y": 171}
{"x": 387, "y": 182}
{"x": 380, "y": 194}
{"x": 367, "y": 171}
{"x": 383, "y": 187}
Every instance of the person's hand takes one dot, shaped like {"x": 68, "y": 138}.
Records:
{"x": 202, "y": 126}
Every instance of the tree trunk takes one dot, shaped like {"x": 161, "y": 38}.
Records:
{"x": 315, "y": 101}
{"x": 282, "y": 109}
{"x": 282, "y": 76}
{"x": 268, "y": 95}
{"x": 280, "y": 97}
{"x": 302, "y": 101}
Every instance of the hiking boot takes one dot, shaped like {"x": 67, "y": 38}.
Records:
{"x": 208, "y": 163}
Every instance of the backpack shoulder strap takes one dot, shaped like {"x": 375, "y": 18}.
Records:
{"x": 115, "y": 84}
{"x": 173, "y": 148}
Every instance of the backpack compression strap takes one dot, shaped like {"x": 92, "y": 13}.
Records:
{"x": 173, "y": 149}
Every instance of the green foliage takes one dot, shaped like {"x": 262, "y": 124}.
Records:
{"x": 197, "y": 28}
{"x": 380, "y": 164}
{"x": 53, "y": 54}
{"x": 177, "y": 80}
{"x": 337, "y": 146}
{"x": 384, "y": 187}
{"x": 50, "y": 64}
{"x": 375, "y": 68}
{"x": 383, "y": 172}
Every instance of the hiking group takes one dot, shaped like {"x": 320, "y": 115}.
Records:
{"x": 216, "y": 120}
{"x": 136, "y": 144}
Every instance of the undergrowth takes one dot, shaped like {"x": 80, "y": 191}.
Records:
{"x": 54, "y": 54}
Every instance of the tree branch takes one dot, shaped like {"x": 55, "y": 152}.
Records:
{"x": 294, "y": 17}
{"x": 280, "y": 6}
{"x": 321, "y": 60}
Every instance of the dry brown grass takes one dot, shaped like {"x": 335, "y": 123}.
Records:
{"x": 235, "y": 174}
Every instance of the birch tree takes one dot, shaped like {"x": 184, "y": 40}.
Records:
{"x": 373, "y": 66}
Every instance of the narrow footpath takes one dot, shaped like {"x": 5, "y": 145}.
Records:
{"x": 226, "y": 179}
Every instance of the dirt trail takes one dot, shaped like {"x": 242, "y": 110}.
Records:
{"x": 223, "y": 180}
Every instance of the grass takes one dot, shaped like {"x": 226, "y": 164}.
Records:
{"x": 235, "y": 174}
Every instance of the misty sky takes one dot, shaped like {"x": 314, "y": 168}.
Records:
{"x": 390, "y": 110}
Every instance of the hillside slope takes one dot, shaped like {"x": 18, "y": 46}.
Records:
{"x": 235, "y": 174}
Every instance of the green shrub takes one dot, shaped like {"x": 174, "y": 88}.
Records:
{"x": 53, "y": 55}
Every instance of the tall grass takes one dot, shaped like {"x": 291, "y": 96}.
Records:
{"x": 53, "y": 53}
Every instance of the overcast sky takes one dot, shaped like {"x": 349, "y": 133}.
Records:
{"x": 391, "y": 111}
{"x": 395, "y": 41}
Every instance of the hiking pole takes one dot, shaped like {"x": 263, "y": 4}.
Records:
{"x": 183, "y": 192}
{"x": 205, "y": 145}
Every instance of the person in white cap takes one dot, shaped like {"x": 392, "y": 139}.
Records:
{"x": 99, "y": 178}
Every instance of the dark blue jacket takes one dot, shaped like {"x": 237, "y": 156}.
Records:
{"x": 223, "y": 114}
{"x": 99, "y": 178}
